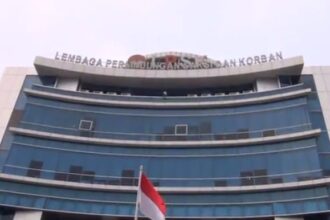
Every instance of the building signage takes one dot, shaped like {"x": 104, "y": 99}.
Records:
{"x": 170, "y": 62}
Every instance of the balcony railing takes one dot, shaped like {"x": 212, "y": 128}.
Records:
{"x": 93, "y": 178}
{"x": 189, "y": 98}
{"x": 167, "y": 137}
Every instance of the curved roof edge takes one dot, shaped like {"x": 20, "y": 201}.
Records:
{"x": 141, "y": 78}
{"x": 168, "y": 104}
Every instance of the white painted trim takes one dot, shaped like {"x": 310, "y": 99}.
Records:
{"x": 181, "y": 125}
{"x": 87, "y": 121}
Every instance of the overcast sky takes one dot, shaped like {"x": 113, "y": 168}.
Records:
{"x": 119, "y": 29}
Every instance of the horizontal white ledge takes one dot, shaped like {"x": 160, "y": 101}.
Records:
{"x": 168, "y": 144}
{"x": 168, "y": 104}
{"x": 196, "y": 190}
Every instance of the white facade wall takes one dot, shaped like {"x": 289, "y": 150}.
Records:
{"x": 28, "y": 215}
{"x": 265, "y": 84}
{"x": 10, "y": 86}
{"x": 321, "y": 75}
{"x": 287, "y": 218}
{"x": 67, "y": 84}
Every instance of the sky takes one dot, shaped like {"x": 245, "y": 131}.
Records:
{"x": 109, "y": 29}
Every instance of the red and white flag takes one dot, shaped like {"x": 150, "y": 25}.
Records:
{"x": 151, "y": 203}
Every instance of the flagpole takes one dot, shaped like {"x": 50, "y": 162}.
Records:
{"x": 138, "y": 194}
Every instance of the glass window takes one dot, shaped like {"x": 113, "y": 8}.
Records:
{"x": 75, "y": 172}
{"x": 243, "y": 133}
{"x": 34, "y": 168}
{"x": 285, "y": 81}
{"x": 220, "y": 183}
{"x": 261, "y": 177}
{"x": 87, "y": 176}
{"x": 268, "y": 133}
{"x": 277, "y": 180}
{"x": 127, "y": 177}
{"x": 181, "y": 129}
{"x": 48, "y": 80}
{"x": 246, "y": 178}
{"x": 60, "y": 176}
{"x": 86, "y": 125}
{"x": 205, "y": 127}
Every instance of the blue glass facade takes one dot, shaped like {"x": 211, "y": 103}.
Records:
{"x": 179, "y": 206}
{"x": 269, "y": 174}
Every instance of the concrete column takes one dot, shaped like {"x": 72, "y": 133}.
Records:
{"x": 27, "y": 215}
{"x": 264, "y": 84}
{"x": 67, "y": 84}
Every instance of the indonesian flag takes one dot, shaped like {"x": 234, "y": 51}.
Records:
{"x": 151, "y": 203}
